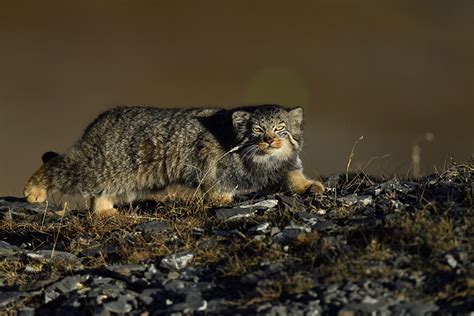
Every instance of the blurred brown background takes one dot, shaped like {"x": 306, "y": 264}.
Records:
{"x": 390, "y": 72}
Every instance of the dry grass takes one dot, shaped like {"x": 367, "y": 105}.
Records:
{"x": 424, "y": 233}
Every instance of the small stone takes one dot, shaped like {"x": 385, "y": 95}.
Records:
{"x": 308, "y": 218}
{"x": 260, "y": 229}
{"x": 370, "y": 300}
{"x": 265, "y": 204}
{"x": 10, "y": 297}
{"x": 416, "y": 308}
{"x": 68, "y": 284}
{"x": 118, "y": 306}
{"x": 7, "y": 250}
{"x": 152, "y": 227}
{"x": 127, "y": 269}
{"x": 50, "y": 296}
{"x": 193, "y": 302}
{"x": 348, "y": 200}
{"x": 244, "y": 210}
{"x": 99, "y": 280}
{"x": 234, "y": 213}
{"x": 321, "y": 211}
{"x": 147, "y": 295}
{"x": 173, "y": 275}
{"x": 55, "y": 256}
{"x": 354, "y": 199}
{"x": 322, "y": 225}
{"x": 290, "y": 233}
{"x": 451, "y": 261}
{"x": 274, "y": 231}
{"x": 177, "y": 261}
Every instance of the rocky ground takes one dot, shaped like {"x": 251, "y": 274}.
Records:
{"x": 367, "y": 246}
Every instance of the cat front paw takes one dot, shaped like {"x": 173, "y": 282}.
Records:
{"x": 299, "y": 184}
{"x": 220, "y": 199}
{"x": 35, "y": 194}
{"x": 316, "y": 187}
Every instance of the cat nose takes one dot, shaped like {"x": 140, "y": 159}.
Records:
{"x": 268, "y": 139}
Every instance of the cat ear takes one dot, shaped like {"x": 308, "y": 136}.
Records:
{"x": 296, "y": 117}
{"x": 239, "y": 119}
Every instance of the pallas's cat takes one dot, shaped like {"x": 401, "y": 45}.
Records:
{"x": 130, "y": 153}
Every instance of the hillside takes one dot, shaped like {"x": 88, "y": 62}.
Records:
{"x": 367, "y": 245}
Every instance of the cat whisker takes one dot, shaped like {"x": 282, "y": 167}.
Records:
{"x": 249, "y": 151}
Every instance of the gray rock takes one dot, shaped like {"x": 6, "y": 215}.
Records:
{"x": 395, "y": 185}
{"x": 261, "y": 205}
{"x": 118, "y": 306}
{"x": 55, "y": 256}
{"x": 10, "y": 297}
{"x": 127, "y": 269}
{"x": 416, "y": 309}
{"x": 290, "y": 233}
{"x": 99, "y": 280}
{"x": 152, "y": 227}
{"x": 177, "y": 261}
{"x": 260, "y": 229}
{"x": 70, "y": 283}
{"x": 354, "y": 199}
{"x": 146, "y": 296}
{"x": 178, "y": 286}
{"x": 451, "y": 261}
{"x": 193, "y": 302}
{"x": 26, "y": 311}
{"x": 20, "y": 204}
{"x": 7, "y": 250}
{"x": 244, "y": 210}
{"x": 231, "y": 214}
{"x": 322, "y": 225}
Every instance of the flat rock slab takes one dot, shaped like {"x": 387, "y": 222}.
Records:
{"x": 244, "y": 210}
{"x": 19, "y": 204}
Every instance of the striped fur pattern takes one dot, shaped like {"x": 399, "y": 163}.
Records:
{"x": 130, "y": 153}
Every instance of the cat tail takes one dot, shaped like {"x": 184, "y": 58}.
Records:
{"x": 36, "y": 189}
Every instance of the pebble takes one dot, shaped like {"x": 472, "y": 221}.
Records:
{"x": 118, "y": 306}
{"x": 177, "y": 261}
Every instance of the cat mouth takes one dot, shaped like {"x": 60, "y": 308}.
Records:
{"x": 266, "y": 148}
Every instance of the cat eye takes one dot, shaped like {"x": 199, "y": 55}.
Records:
{"x": 257, "y": 130}
{"x": 279, "y": 128}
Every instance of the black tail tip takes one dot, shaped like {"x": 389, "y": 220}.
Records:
{"x": 47, "y": 156}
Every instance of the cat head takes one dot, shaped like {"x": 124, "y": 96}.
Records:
{"x": 268, "y": 132}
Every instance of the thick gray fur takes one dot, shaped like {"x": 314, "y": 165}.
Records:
{"x": 131, "y": 152}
